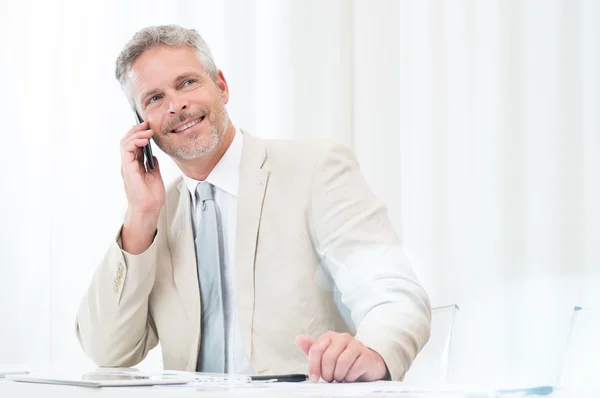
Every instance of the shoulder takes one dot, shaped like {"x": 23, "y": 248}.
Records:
{"x": 306, "y": 153}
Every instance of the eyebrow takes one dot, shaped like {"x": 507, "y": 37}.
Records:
{"x": 179, "y": 78}
{"x": 148, "y": 94}
{"x": 187, "y": 75}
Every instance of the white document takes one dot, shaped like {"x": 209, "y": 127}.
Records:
{"x": 384, "y": 388}
{"x": 379, "y": 388}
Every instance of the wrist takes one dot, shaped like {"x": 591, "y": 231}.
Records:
{"x": 383, "y": 372}
{"x": 138, "y": 232}
{"x": 141, "y": 218}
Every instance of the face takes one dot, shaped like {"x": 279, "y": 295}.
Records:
{"x": 184, "y": 106}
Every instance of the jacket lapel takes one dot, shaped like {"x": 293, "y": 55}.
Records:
{"x": 183, "y": 256}
{"x": 253, "y": 183}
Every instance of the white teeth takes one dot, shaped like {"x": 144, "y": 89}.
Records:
{"x": 187, "y": 126}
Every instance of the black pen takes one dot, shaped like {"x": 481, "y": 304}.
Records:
{"x": 291, "y": 378}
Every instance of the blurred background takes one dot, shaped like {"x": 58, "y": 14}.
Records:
{"x": 477, "y": 121}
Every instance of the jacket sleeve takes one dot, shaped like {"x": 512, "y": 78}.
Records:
{"x": 113, "y": 323}
{"x": 360, "y": 249}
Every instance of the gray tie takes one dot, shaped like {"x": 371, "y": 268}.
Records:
{"x": 209, "y": 256}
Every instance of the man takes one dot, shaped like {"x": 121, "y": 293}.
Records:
{"x": 266, "y": 257}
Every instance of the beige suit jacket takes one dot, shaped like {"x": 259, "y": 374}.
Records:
{"x": 315, "y": 251}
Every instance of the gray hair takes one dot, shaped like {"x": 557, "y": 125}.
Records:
{"x": 169, "y": 35}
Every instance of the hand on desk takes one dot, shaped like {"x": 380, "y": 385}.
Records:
{"x": 340, "y": 357}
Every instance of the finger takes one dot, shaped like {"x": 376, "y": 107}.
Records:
{"x": 134, "y": 168}
{"x": 330, "y": 356}
{"x": 358, "y": 368}
{"x": 130, "y": 147}
{"x": 304, "y": 343}
{"x": 137, "y": 131}
{"x": 132, "y": 164}
{"x": 137, "y": 127}
{"x": 346, "y": 359}
{"x": 134, "y": 146}
{"x": 138, "y": 134}
{"x": 314, "y": 356}
{"x": 131, "y": 137}
{"x": 136, "y": 143}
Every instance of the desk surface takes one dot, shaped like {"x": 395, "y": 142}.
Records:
{"x": 291, "y": 390}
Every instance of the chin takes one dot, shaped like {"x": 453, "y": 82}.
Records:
{"x": 203, "y": 146}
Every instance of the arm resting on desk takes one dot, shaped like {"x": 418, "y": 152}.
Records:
{"x": 365, "y": 258}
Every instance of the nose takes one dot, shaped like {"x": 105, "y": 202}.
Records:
{"x": 177, "y": 106}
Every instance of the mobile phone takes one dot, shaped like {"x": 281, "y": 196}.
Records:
{"x": 147, "y": 148}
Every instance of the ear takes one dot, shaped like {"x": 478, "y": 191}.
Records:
{"x": 223, "y": 87}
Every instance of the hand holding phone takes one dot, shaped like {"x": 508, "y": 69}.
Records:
{"x": 144, "y": 189}
{"x": 148, "y": 148}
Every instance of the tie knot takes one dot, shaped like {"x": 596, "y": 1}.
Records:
{"x": 204, "y": 191}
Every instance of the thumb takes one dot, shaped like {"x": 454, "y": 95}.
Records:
{"x": 304, "y": 343}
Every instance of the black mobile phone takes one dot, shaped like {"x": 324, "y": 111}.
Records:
{"x": 147, "y": 148}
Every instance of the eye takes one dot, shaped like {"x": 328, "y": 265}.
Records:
{"x": 189, "y": 82}
{"x": 154, "y": 99}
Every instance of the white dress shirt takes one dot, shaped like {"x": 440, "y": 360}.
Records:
{"x": 225, "y": 178}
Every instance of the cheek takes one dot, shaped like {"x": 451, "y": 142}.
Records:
{"x": 156, "y": 124}
{"x": 218, "y": 109}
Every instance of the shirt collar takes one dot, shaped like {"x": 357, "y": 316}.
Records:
{"x": 226, "y": 173}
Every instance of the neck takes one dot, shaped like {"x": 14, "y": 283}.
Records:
{"x": 200, "y": 168}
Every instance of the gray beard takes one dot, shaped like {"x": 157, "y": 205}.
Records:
{"x": 211, "y": 143}
{"x": 193, "y": 150}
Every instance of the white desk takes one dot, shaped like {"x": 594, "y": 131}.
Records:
{"x": 14, "y": 389}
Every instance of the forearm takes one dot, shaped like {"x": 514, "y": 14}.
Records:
{"x": 112, "y": 322}
{"x": 138, "y": 232}
{"x": 390, "y": 310}
{"x": 396, "y": 334}
{"x": 366, "y": 260}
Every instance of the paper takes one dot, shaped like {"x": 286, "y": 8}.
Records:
{"x": 212, "y": 379}
{"x": 379, "y": 388}
{"x": 462, "y": 390}
{"x": 207, "y": 382}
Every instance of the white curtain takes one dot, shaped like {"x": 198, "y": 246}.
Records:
{"x": 477, "y": 121}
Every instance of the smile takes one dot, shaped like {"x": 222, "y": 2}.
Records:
{"x": 188, "y": 125}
